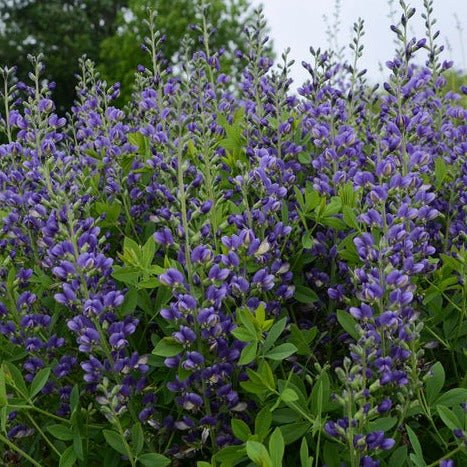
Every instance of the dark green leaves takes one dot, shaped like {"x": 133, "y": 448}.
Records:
{"x": 281, "y": 352}
{"x": 441, "y": 171}
{"x": 39, "y": 381}
{"x": 68, "y": 457}
{"x": 435, "y": 382}
{"x": 240, "y": 429}
{"x": 276, "y": 448}
{"x": 417, "y": 455}
{"x": 304, "y": 294}
{"x": 115, "y": 440}
{"x": 154, "y": 460}
{"x": 167, "y": 347}
{"x": 3, "y": 394}
{"x": 348, "y": 323}
{"x": 61, "y": 432}
{"x": 258, "y": 454}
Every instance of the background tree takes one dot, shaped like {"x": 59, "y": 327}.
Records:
{"x": 121, "y": 53}
{"x": 63, "y": 30}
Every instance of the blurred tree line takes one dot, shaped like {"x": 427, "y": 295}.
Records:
{"x": 109, "y": 32}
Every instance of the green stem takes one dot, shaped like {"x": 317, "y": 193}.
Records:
{"x": 127, "y": 446}
{"x": 7, "y": 110}
{"x": 427, "y": 411}
{"x": 13, "y": 446}
{"x": 128, "y": 215}
{"x": 447, "y": 456}
{"x": 182, "y": 197}
{"x": 43, "y": 412}
{"x": 46, "y": 439}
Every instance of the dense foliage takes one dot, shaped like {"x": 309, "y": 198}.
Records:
{"x": 236, "y": 274}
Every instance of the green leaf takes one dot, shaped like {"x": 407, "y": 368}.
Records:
{"x": 452, "y": 263}
{"x": 240, "y": 429}
{"x": 312, "y": 199}
{"x": 3, "y": 418}
{"x": 243, "y": 334}
{"x": 154, "y": 460}
{"x": 281, "y": 352}
{"x": 130, "y": 302}
{"x": 416, "y": 446}
{"x": 263, "y": 423}
{"x": 452, "y": 397}
{"x": 163, "y": 296}
{"x": 441, "y": 171}
{"x": 247, "y": 320}
{"x": 333, "y": 207}
{"x": 248, "y": 353}
{"x": 142, "y": 142}
{"x": 253, "y": 388}
{"x": 137, "y": 438}
{"x": 14, "y": 378}
{"x": 203, "y": 464}
{"x": 347, "y": 194}
{"x": 304, "y": 294}
{"x": 145, "y": 302}
{"x": 333, "y": 222}
{"x": 68, "y": 457}
{"x": 299, "y": 197}
{"x": 167, "y": 347}
{"x": 276, "y": 448}
{"x": 3, "y": 395}
{"x": 350, "y": 218}
{"x": 266, "y": 375}
{"x": 307, "y": 241}
{"x": 289, "y": 395}
{"x": 74, "y": 398}
{"x": 382, "y": 424}
{"x": 348, "y": 323}
{"x": 115, "y": 441}
{"x": 320, "y": 394}
{"x": 304, "y": 456}
{"x": 304, "y": 158}
{"x": 399, "y": 456}
{"x": 229, "y": 455}
{"x": 293, "y": 431}
{"x": 331, "y": 455}
{"x": 39, "y": 381}
{"x": 127, "y": 275}
{"x": 78, "y": 446}
{"x": 302, "y": 338}
{"x": 448, "y": 417}
{"x": 61, "y": 432}
{"x": 110, "y": 210}
{"x": 148, "y": 251}
{"x": 435, "y": 382}
{"x": 131, "y": 251}
{"x": 258, "y": 454}
{"x": 274, "y": 333}
{"x": 347, "y": 250}
{"x": 151, "y": 283}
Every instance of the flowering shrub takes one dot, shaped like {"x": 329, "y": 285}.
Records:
{"x": 228, "y": 272}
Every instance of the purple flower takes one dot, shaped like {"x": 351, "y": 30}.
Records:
{"x": 164, "y": 237}
{"x": 263, "y": 279}
{"x": 446, "y": 463}
{"x": 172, "y": 278}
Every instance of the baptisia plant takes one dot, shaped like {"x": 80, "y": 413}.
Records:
{"x": 231, "y": 270}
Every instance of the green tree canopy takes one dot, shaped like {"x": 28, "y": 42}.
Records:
{"x": 63, "y": 30}
{"x": 121, "y": 53}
